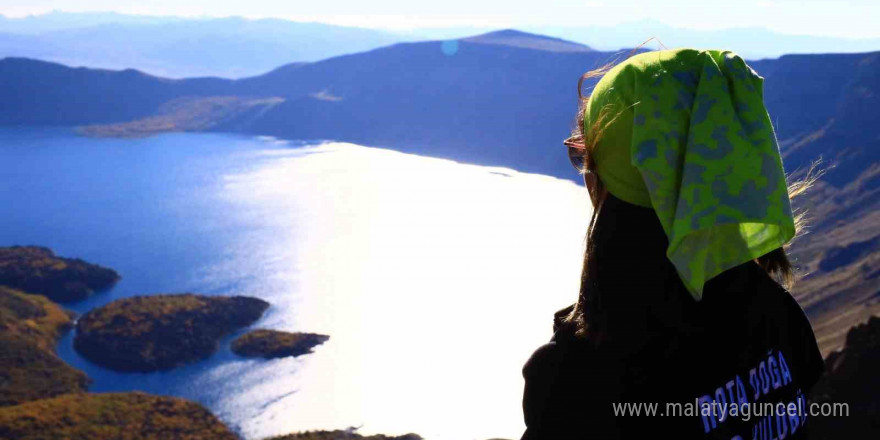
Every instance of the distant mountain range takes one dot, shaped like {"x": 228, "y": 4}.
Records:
{"x": 505, "y": 98}
{"x": 752, "y": 43}
{"x": 236, "y": 47}
{"x": 59, "y": 20}
{"x": 176, "y": 47}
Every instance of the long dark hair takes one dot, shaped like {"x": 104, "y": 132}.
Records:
{"x": 616, "y": 301}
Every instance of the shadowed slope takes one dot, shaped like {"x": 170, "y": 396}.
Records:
{"x": 30, "y": 326}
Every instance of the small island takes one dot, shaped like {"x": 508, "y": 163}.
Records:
{"x": 161, "y": 332}
{"x": 35, "y": 269}
{"x": 271, "y": 344}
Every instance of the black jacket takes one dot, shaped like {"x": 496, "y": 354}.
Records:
{"x": 747, "y": 341}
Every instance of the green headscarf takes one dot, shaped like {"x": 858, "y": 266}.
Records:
{"x": 685, "y": 132}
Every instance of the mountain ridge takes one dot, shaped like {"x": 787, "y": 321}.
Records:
{"x": 527, "y": 40}
{"x": 230, "y": 47}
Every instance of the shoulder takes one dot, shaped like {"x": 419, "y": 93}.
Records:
{"x": 543, "y": 359}
{"x": 768, "y": 320}
{"x": 794, "y": 324}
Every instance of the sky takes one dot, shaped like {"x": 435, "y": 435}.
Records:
{"x": 841, "y": 18}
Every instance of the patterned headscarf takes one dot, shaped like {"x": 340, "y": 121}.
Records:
{"x": 685, "y": 132}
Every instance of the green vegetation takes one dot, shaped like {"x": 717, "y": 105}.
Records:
{"x": 273, "y": 343}
{"x": 123, "y": 416}
{"x": 30, "y": 325}
{"x": 160, "y": 332}
{"x": 342, "y": 435}
{"x": 37, "y": 270}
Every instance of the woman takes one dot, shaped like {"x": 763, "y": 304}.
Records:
{"x": 681, "y": 303}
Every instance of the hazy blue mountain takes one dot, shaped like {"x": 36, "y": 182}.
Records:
{"x": 517, "y": 103}
{"x": 225, "y": 47}
{"x": 752, "y": 43}
{"x": 825, "y": 105}
{"x": 502, "y": 92}
{"x": 43, "y": 93}
{"x": 503, "y": 98}
{"x": 59, "y": 20}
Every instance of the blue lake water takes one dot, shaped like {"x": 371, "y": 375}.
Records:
{"x": 434, "y": 279}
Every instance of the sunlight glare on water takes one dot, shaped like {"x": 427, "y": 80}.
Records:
{"x": 434, "y": 279}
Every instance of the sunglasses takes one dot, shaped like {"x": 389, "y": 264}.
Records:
{"x": 577, "y": 152}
